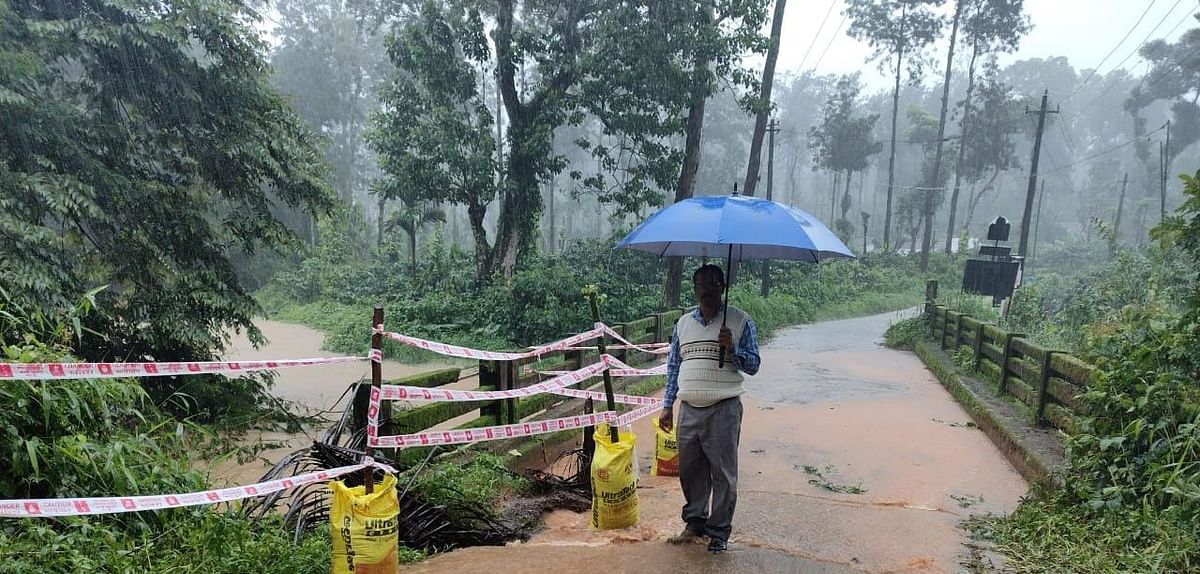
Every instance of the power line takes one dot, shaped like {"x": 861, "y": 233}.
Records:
{"x": 1166, "y": 73}
{"x": 1152, "y": 31}
{"x": 1096, "y": 99}
{"x": 823, "y": 52}
{"x": 1080, "y": 85}
{"x": 1098, "y": 96}
{"x": 1105, "y": 151}
{"x": 817, "y": 35}
{"x": 1178, "y": 24}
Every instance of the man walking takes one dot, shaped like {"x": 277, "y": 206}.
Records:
{"x": 710, "y": 411}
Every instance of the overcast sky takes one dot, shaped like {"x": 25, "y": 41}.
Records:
{"x": 1082, "y": 30}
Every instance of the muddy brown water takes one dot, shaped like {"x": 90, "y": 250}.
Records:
{"x": 831, "y": 398}
{"x": 314, "y": 389}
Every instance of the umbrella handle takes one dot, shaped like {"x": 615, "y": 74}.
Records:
{"x": 725, "y": 306}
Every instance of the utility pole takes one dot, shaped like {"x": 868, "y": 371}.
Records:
{"x": 1116, "y": 232}
{"x": 772, "y": 129}
{"x": 1037, "y": 224}
{"x": 865, "y": 218}
{"x": 1033, "y": 167}
{"x": 1164, "y": 154}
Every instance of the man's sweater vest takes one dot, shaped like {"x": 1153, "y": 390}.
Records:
{"x": 701, "y": 382}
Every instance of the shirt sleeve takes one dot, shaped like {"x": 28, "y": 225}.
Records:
{"x": 673, "y": 361}
{"x": 746, "y": 354}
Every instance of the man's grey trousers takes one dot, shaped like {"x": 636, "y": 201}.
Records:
{"x": 708, "y": 464}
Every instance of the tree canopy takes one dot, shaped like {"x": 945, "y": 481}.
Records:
{"x": 141, "y": 145}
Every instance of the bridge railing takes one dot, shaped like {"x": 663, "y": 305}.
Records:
{"x": 1046, "y": 381}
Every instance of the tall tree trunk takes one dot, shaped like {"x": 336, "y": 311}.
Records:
{"x": 483, "y": 252}
{"x": 686, "y": 184}
{"x": 846, "y": 201}
{"x": 975, "y": 197}
{"x": 412, "y": 249}
{"x": 1116, "y": 231}
{"x": 833, "y": 192}
{"x": 550, "y": 245}
{"x": 845, "y": 205}
{"x": 379, "y": 222}
{"x": 962, "y": 146}
{"x": 935, "y": 174}
{"x": 794, "y": 162}
{"x": 887, "y": 218}
{"x": 530, "y": 126}
{"x": 764, "y": 100}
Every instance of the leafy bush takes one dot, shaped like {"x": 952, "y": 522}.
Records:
{"x": 1132, "y": 496}
{"x": 80, "y": 438}
{"x": 478, "y": 484}
{"x": 905, "y": 333}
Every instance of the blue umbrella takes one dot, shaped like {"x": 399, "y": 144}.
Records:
{"x": 738, "y": 228}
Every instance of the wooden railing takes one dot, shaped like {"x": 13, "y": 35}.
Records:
{"x": 1047, "y": 381}
{"x": 505, "y": 375}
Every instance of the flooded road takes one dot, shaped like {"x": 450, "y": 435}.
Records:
{"x": 314, "y": 389}
{"x": 317, "y": 387}
{"x": 853, "y": 459}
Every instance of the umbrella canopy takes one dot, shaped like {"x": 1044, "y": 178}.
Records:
{"x": 736, "y": 227}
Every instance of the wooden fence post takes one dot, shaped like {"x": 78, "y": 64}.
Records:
{"x": 1008, "y": 352}
{"x": 957, "y": 332}
{"x": 368, "y": 474}
{"x": 978, "y": 343}
{"x": 589, "y": 442}
{"x": 1043, "y": 387}
{"x": 931, "y": 289}
{"x": 508, "y": 382}
{"x": 658, "y": 328}
{"x": 945, "y": 329}
{"x": 623, "y": 330}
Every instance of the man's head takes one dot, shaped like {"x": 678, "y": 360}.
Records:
{"x": 709, "y": 283}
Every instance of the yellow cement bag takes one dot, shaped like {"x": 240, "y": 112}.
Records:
{"x": 363, "y": 528}
{"x": 666, "y": 452}
{"x": 614, "y": 482}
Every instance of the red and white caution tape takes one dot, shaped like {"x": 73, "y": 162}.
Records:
{"x": 431, "y": 438}
{"x": 600, "y": 396}
{"x": 653, "y": 349}
{"x": 619, "y": 369}
{"x": 615, "y": 347}
{"x": 58, "y": 371}
{"x": 373, "y": 414}
{"x": 401, "y": 393}
{"x": 468, "y": 353}
{"x": 32, "y": 508}
{"x": 639, "y": 413}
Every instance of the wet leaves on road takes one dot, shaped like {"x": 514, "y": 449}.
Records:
{"x": 966, "y": 500}
{"x": 966, "y": 425}
{"x": 819, "y": 479}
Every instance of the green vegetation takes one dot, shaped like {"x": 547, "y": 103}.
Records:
{"x": 904, "y": 334}
{"x": 107, "y": 438}
{"x": 1131, "y": 501}
{"x": 820, "y": 480}
{"x": 143, "y": 150}
{"x": 334, "y": 289}
{"x": 478, "y": 485}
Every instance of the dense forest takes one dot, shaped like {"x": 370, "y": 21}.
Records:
{"x": 173, "y": 171}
